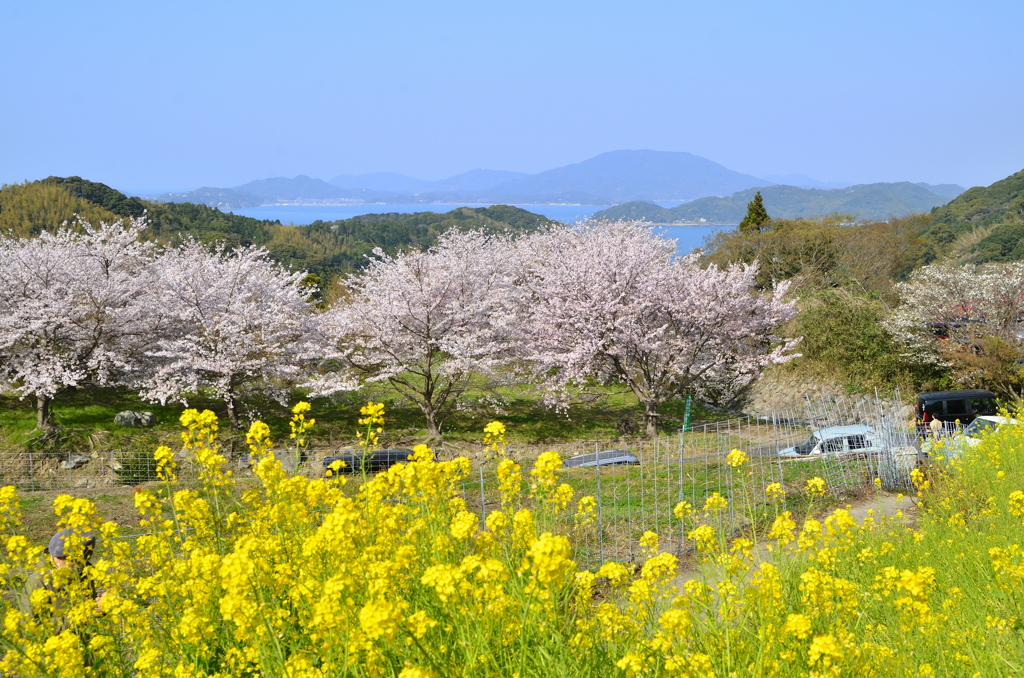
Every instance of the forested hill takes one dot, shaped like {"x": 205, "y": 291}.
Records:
{"x": 868, "y": 201}
{"x": 998, "y": 209}
{"x": 324, "y": 248}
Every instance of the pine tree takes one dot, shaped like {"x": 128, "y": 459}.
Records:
{"x": 757, "y": 216}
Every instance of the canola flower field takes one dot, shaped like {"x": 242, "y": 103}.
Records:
{"x": 297, "y": 577}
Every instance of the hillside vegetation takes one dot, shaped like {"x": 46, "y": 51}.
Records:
{"x": 843, "y": 275}
{"x": 865, "y": 201}
{"x": 998, "y": 209}
{"x": 324, "y": 248}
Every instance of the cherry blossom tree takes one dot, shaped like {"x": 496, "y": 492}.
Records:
{"x": 615, "y": 299}
{"x": 425, "y": 322}
{"x": 238, "y": 323}
{"x": 73, "y": 310}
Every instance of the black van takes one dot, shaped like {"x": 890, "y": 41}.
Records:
{"x": 951, "y": 406}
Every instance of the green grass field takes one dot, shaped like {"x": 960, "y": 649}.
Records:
{"x": 85, "y": 417}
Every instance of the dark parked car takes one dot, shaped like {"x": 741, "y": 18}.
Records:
{"x": 378, "y": 460}
{"x": 952, "y": 406}
{"x": 603, "y": 458}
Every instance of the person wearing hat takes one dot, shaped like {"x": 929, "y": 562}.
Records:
{"x": 65, "y": 577}
{"x": 63, "y": 555}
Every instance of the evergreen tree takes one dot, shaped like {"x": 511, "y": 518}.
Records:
{"x": 757, "y": 215}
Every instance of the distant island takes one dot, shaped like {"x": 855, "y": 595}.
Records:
{"x": 865, "y": 201}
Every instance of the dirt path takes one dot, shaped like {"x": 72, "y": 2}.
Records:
{"x": 883, "y": 505}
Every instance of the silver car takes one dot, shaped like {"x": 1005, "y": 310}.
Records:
{"x": 836, "y": 440}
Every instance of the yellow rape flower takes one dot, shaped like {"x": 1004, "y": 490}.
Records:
{"x": 631, "y": 664}
{"x": 380, "y": 619}
{"x": 815, "y": 487}
{"x": 1016, "y": 504}
{"x": 510, "y": 482}
{"x": 736, "y": 458}
{"x": 373, "y": 414}
{"x": 494, "y": 436}
{"x": 463, "y": 525}
{"x": 649, "y": 543}
{"x": 416, "y": 672}
{"x": 824, "y": 650}
{"x": 684, "y": 510}
{"x": 798, "y": 626}
{"x": 704, "y": 535}
{"x": 165, "y": 463}
{"x": 586, "y": 512}
{"x": 716, "y": 502}
{"x": 616, "y": 573}
{"x": 543, "y": 473}
{"x": 661, "y": 567}
{"x": 550, "y": 559}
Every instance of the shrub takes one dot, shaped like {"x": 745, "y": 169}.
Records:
{"x": 844, "y": 338}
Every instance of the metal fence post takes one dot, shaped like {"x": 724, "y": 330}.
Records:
{"x": 483, "y": 514}
{"x": 600, "y": 524}
{"x": 682, "y": 525}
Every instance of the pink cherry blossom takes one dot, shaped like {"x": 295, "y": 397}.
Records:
{"x": 73, "y": 309}
{"x": 615, "y": 299}
{"x": 236, "y": 322}
{"x": 426, "y": 322}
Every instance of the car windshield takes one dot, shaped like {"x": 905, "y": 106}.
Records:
{"x": 806, "y": 446}
{"x": 978, "y": 426}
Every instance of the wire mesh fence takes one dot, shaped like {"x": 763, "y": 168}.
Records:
{"x": 846, "y": 443}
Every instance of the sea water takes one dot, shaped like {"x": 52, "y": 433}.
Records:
{"x": 687, "y": 237}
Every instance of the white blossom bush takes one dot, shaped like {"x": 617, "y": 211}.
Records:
{"x": 960, "y": 301}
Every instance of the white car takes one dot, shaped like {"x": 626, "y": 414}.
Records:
{"x": 836, "y": 440}
{"x": 969, "y": 436}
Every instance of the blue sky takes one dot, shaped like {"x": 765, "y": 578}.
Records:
{"x": 173, "y": 96}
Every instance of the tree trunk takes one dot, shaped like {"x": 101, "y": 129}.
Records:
{"x": 433, "y": 428}
{"x": 651, "y": 419}
{"x": 233, "y": 415}
{"x": 232, "y": 412}
{"x": 229, "y": 399}
{"x": 43, "y": 411}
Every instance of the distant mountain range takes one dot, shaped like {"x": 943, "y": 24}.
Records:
{"x": 609, "y": 178}
{"x": 867, "y": 201}
{"x": 615, "y": 178}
